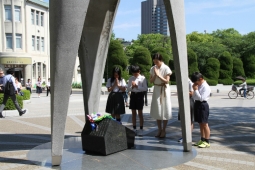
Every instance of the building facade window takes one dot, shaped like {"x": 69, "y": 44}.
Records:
{"x": 34, "y": 69}
{"x": 37, "y": 18}
{"x": 38, "y": 44}
{"x": 42, "y": 19}
{"x": 42, "y": 44}
{"x": 9, "y": 41}
{"x": 33, "y": 42}
{"x": 33, "y": 17}
{"x": 18, "y": 41}
{"x": 44, "y": 70}
{"x": 39, "y": 69}
{"x": 17, "y": 14}
{"x": 8, "y": 12}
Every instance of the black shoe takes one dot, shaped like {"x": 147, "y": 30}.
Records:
{"x": 22, "y": 113}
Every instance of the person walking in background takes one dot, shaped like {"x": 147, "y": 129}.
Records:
{"x": 201, "y": 108}
{"x": 1, "y": 81}
{"x": 137, "y": 85}
{"x": 125, "y": 96}
{"x": 29, "y": 85}
{"x": 116, "y": 86}
{"x": 10, "y": 90}
{"x": 48, "y": 86}
{"x": 39, "y": 86}
{"x": 18, "y": 84}
{"x": 145, "y": 93}
{"x": 161, "y": 108}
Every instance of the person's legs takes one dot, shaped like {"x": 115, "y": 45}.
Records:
{"x": 244, "y": 93}
{"x": 6, "y": 96}
{"x": 159, "y": 123}
{"x": 163, "y": 132}
{"x": 14, "y": 99}
{"x": 134, "y": 118}
{"x": 140, "y": 113}
{"x": 145, "y": 97}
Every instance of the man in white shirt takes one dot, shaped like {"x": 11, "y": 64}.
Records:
{"x": 201, "y": 95}
{"x": 137, "y": 85}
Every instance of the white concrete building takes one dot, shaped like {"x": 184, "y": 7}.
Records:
{"x": 24, "y": 35}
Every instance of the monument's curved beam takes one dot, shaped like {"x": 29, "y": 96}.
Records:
{"x": 68, "y": 31}
{"x": 93, "y": 49}
{"x": 176, "y": 20}
{"x": 66, "y": 24}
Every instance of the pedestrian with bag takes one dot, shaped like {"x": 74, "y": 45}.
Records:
{"x": 48, "y": 86}
{"x": 10, "y": 90}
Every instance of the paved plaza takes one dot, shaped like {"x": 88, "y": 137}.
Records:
{"x": 232, "y": 123}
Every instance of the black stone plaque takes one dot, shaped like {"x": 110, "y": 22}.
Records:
{"x": 110, "y": 137}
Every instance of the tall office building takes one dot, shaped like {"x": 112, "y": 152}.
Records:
{"x": 154, "y": 19}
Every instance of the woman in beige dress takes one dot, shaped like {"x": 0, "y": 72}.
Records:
{"x": 161, "y": 108}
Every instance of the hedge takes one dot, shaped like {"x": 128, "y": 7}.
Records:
{"x": 10, "y": 105}
{"x": 26, "y": 95}
{"x": 211, "y": 82}
{"x": 225, "y": 81}
{"x": 248, "y": 81}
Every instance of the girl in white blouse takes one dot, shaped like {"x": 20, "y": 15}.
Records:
{"x": 115, "y": 102}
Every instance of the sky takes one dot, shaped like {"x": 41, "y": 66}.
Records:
{"x": 200, "y": 15}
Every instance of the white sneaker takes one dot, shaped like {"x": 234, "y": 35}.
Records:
{"x": 140, "y": 132}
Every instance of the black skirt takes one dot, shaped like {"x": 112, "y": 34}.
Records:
{"x": 115, "y": 103}
{"x": 38, "y": 89}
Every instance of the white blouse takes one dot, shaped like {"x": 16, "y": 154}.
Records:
{"x": 116, "y": 89}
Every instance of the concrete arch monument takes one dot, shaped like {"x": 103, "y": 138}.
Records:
{"x": 84, "y": 27}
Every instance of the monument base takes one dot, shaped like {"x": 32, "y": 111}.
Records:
{"x": 109, "y": 137}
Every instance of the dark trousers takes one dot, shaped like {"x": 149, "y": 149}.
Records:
{"x": 14, "y": 99}
{"x": 145, "y": 98}
{"x": 48, "y": 90}
{"x": 29, "y": 89}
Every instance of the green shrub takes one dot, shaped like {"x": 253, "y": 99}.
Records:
{"x": 172, "y": 83}
{"x": 26, "y": 95}
{"x": 225, "y": 81}
{"x": 248, "y": 81}
{"x": 237, "y": 68}
{"x": 192, "y": 62}
{"x": 9, "y": 104}
{"x": 76, "y": 85}
{"x": 226, "y": 65}
{"x": 211, "y": 82}
{"x": 211, "y": 69}
{"x": 249, "y": 65}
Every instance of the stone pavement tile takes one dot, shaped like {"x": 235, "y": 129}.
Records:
{"x": 186, "y": 167}
{"x": 72, "y": 127}
{"x": 19, "y": 128}
{"x": 225, "y": 164}
{"x": 42, "y": 121}
{"x": 81, "y": 117}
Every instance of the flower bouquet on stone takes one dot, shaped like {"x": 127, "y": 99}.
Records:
{"x": 95, "y": 118}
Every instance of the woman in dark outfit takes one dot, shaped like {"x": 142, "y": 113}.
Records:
{"x": 116, "y": 86}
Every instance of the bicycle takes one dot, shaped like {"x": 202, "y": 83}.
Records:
{"x": 234, "y": 93}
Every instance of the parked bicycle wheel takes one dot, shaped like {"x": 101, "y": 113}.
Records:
{"x": 250, "y": 95}
{"x": 232, "y": 94}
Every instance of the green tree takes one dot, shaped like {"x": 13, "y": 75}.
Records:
{"x": 226, "y": 68}
{"x": 249, "y": 64}
{"x": 163, "y": 52}
{"x": 142, "y": 58}
{"x": 238, "y": 69}
{"x": 192, "y": 62}
{"x": 115, "y": 56}
{"x": 211, "y": 71}
{"x": 231, "y": 39}
{"x": 248, "y": 43}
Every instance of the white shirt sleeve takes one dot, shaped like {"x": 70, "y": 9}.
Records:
{"x": 14, "y": 84}
{"x": 108, "y": 84}
{"x": 142, "y": 86}
{"x": 202, "y": 94}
